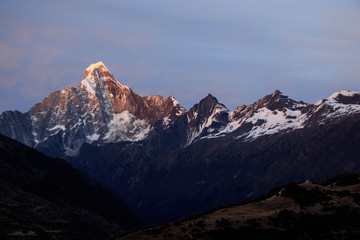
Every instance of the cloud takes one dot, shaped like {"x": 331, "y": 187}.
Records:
{"x": 10, "y": 57}
{"x": 237, "y": 50}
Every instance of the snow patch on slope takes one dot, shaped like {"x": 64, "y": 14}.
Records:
{"x": 126, "y": 126}
{"x": 181, "y": 111}
{"x": 232, "y": 126}
{"x": 343, "y": 109}
{"x": 57, "y": 127}
{"x": 166, "y": 122}
{"x": 267, "y": 122}
{"x": 88, "y": 85}
{"x": 93, "y": 137}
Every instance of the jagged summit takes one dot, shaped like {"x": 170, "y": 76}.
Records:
{"x": 210, "y": 98}
{"x": 278, "y": 100}
{"x": 278, "y": 95}
{"x": 210, "y": 102}
{"x": 99, "y": 66}
{"x": 98, "y": 78}
{"x": 207, "y": 105}
{"x": 95, "y": 65}
{"x": 277, "y": 92}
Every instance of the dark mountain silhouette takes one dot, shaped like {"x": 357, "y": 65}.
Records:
{"x": 45, "y": 198}
{"x": 325, "y": 210}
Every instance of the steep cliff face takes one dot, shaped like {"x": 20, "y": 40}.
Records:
{"x": 17, "y": 125}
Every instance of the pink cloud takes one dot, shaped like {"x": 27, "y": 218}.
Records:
{"x": 10, "y": 57}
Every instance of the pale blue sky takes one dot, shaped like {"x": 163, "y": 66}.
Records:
{"x": 238, "y": 51}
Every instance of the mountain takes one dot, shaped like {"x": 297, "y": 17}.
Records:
{"x": 170, "y": 162}
{"x": 326, "y": 210}
{"x": 100, "y": 110}
{"x": 44, "y": 198}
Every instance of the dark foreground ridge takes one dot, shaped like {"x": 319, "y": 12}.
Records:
{"x": 45, "y": 198}
{"x": 327, "y": 210}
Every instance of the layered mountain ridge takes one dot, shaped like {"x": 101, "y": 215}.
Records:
{"x": 170, "y": 162}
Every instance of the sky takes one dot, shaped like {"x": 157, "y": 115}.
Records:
{"x": 239, "y": 51}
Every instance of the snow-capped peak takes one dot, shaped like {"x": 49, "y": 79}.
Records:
{"x": 340, "y": 103}
{"x": 345, "y": 93}
{"x": 97, "y": 76}
{"x": 96, "y": 69}
{"x": 335, "y": 97}
{"x": 93, "y": 66}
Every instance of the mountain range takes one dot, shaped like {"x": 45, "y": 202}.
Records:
{"x": 169, "y": 162}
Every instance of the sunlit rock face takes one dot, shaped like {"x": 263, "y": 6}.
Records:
{"x": 100, "y": 110}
